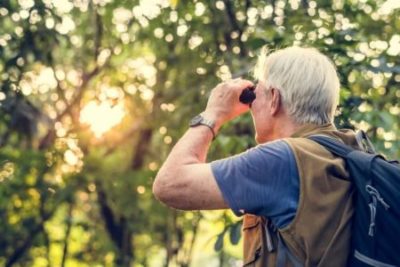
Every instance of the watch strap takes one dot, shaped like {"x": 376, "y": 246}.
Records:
{"x": 200, "y": 120}
{"x": 210, "y": 127}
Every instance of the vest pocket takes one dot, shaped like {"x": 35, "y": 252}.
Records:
{"x": 252, "y": 241}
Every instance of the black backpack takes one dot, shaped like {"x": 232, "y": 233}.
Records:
{"x": 376, "y": 221}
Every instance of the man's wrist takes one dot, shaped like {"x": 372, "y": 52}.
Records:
{"x": 211, "y": 129}
{"x": 208, "y": 120}
{"x": 212, "y": 117}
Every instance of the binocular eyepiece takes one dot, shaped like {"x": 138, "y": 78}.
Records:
{"x": 247, "y": 96}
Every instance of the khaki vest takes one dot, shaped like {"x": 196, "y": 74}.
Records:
{"x": 319, "y": 235}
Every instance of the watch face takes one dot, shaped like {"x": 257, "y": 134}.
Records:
{"x": 196, "y": 120}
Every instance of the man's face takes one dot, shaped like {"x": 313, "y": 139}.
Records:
{"x": 260, "y": 111}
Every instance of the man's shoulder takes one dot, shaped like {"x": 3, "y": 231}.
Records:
{"x": 279, "y": 145}
{"x": 304, "y": 147}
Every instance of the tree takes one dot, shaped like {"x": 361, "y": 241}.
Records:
{"x": 95, "y": 93}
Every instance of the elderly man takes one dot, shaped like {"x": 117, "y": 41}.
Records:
{"x": 295, "y": 196}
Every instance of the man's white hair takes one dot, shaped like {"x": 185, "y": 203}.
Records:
{"x": 306, "y": 79}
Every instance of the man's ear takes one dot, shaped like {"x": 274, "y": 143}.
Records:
{"x": 275, "y": 101}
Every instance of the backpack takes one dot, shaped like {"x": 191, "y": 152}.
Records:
{"x": 376, "y": 220}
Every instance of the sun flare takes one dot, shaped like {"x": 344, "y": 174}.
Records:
{"x": 101, "y": 117}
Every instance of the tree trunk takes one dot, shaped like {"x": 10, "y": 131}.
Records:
{"x": 141, "y": 148}
{"x": 117, "y": 229}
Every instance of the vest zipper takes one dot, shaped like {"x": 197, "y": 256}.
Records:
{"x": 270, "y": 246}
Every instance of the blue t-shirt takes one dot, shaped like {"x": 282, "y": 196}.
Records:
{"x": 263, "y": 181}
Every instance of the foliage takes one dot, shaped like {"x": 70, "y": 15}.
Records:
{"x": 95, "y": 93}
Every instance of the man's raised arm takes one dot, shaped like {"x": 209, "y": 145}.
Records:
{"x": 185, "y": 181}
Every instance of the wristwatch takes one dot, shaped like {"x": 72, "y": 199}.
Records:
{"x": 200, "y": 120}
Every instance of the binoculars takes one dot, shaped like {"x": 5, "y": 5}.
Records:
{"x": 247, "y": 96}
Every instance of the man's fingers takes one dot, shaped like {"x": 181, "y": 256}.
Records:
{"x": 235, "y": 86}
{"x": 240, "y": 82}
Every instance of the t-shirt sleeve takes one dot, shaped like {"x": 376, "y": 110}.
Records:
{"x": 262, "y": 181}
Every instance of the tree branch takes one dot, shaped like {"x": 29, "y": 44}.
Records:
{"x": 141, "y": 148}
{"x": 67, "y": 234}
{"x": 232, "y": 17}
{"x": 187, "y": 257}
{"x": 230, "y": 12}
{"x": 117, "y": 230}
{"x": 126, "y": 136}
{"x": 27, "y": 243}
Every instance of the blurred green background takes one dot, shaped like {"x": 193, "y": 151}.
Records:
{"x": 94, "y": 93}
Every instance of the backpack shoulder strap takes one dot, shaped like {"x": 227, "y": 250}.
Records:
{"x": 334, "y": 146}
{"x": 364, "y": 142}
{"x": 342, "y": 150}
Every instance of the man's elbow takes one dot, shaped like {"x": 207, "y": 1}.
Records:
{"x": 169, "y": 192}
{"x": 159, "y": 190}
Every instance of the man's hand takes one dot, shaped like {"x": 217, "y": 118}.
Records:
{"x": 185, "y": 180}
{"x": 223, "y": 104}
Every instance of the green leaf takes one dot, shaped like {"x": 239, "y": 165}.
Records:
{"x": 173, "y": 3}
{"x": 256, "y": 43}
{"x": 219, "y": 244}
{"x": 387, "y": 119}
{"x": 235, "y": 233}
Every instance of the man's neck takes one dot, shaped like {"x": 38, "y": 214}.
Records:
{"x": 282, "y": 128}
